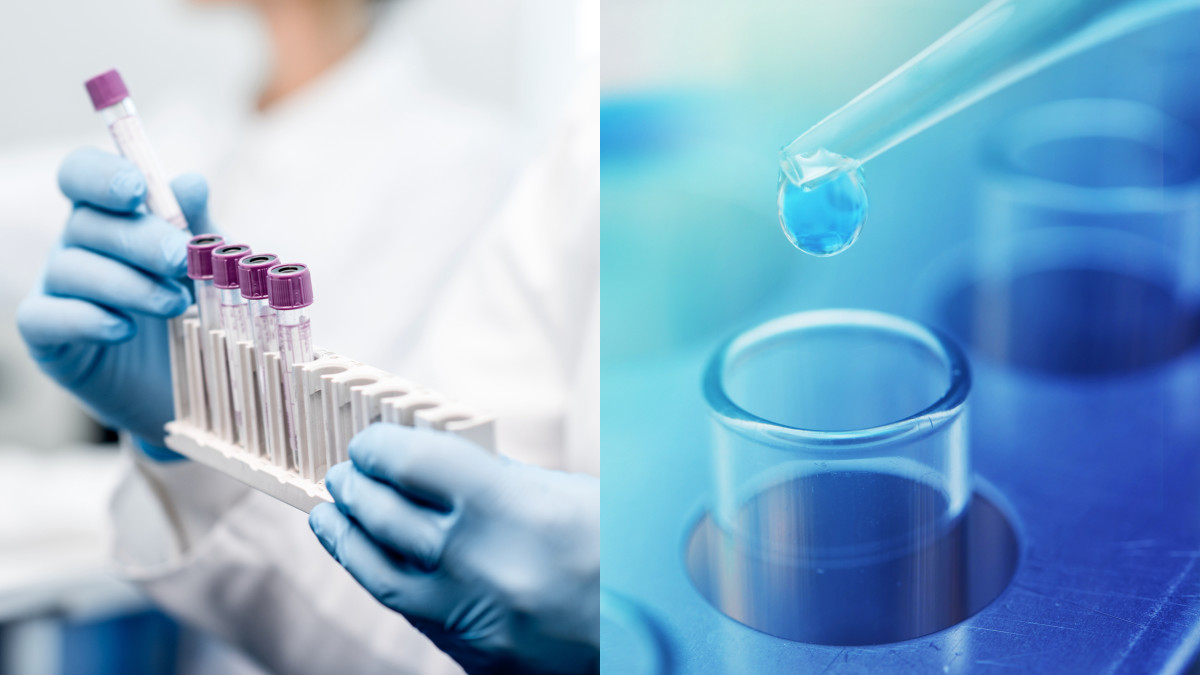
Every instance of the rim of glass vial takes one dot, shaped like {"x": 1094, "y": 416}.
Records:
{"x": 842, "y": 442}
{"x": 1079, "y": 118}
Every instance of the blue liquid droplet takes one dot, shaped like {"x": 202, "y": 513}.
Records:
{"x": 824, "y": 217}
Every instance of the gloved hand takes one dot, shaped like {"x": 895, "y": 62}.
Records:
{"x": 497, "y": 562}
{"x": 96, "y": 320}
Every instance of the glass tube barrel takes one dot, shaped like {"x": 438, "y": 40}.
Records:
{"x": 1090, "y": 233}
{"x": 289, "y": 290}
{"x": 233, "y": 321}
{"x": 842, "y": 477}
{"x": 111, "y": 98}
{"x": 261, "y": 318}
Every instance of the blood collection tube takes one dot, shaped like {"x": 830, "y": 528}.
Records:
{"x": 260, "y": 317}
{"x": 200, "y": 270}
{"x": 289, "y": 290}
{"x": 111, "y": 98}
{"x": 252, "y": 278}
{"x": 233, "y": 320}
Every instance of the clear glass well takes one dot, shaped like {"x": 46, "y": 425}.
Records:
{"x": 842, "y": 477}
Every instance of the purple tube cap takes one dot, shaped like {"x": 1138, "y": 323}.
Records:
{"x": 199, "y": 255}
{"x": 225, "y": 264}
{"x": 289, "y": 286}
{"x": 106, "y": 89}
{"x": 252, "y": 274}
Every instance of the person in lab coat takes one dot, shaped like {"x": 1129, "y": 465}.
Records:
{"x": 439, "y": 252}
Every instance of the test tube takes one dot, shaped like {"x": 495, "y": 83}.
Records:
{"x": 289, "y": 290}
{"x": 111, "y": 98}
{"x": 842, "y": 479}
{"x": 1084, "y": 266}
{"x": 200, "y": 270}
{"x": 234, "y": 321}
{"x": 260, "y": 316}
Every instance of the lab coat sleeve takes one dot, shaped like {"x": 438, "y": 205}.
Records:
{"x": 582, "y": 424}
{"x": 245, "y": 567}
{"x": 583, "y": 411}
{"x": 515, "y": 329}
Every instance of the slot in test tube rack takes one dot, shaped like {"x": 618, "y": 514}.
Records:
{"x": 229, "y": 419}
{"x": 338, "y": 397}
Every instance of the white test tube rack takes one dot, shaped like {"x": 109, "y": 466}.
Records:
{"x": 338, "y": 397}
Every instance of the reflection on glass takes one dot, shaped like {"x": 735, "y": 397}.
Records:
{"x": 1091, "y": 236}
{"x": 842, "y": 478}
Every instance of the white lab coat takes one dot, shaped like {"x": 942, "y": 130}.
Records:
{"x": 439, "y": 252}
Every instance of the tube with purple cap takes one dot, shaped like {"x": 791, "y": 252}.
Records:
{"x": 289, "y": 289}
{"x": 111, "y": 98}
{"x": 260, "y": 317}
{"x": 200, "y": 270}
{"x": 252, "y": 277}
{"x": 233, "y": 320}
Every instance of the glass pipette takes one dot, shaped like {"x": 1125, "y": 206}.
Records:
{"x": 289, "y": 290}
{"x": 822, "y": 199}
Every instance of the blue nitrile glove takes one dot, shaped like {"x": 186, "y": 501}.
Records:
{"x": 96, "y": 320}
{"x": 497, "y": 562}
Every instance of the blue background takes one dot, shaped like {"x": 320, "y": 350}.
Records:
{"x": 1098, "y": 473}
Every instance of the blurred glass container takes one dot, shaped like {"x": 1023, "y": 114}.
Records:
{"x": 1076, "y": 303}
{"x": 842, "y": 478}
{"x": 1089, "y": 255}
{"x": 1167, "y": 58}
{"x": 1095, "y": 162}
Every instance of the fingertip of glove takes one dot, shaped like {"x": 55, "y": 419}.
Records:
{"x": 319, "y": 520}
{"x": 192, "y": 183}
{"x": 190, "y": 189}
{"x": 174, "y": 304}
{"x": 315, "y": 518}
{"x": 174, "y": 250}
{"x": 364, "y": 443}
{"x": 117, "y": 329}
{"x": 127, "y": 188}
{"x": 335, "y": 477}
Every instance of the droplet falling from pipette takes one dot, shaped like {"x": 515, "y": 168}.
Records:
{"x": 822, "y": 202}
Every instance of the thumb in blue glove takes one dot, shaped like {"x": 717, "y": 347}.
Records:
{"x": 497, "y": 562}
{"x": 96, "y": 321}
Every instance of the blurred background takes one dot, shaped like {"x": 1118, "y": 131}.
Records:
{"x": 1050, "y": 229}
{"x": 193, "y": 69}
